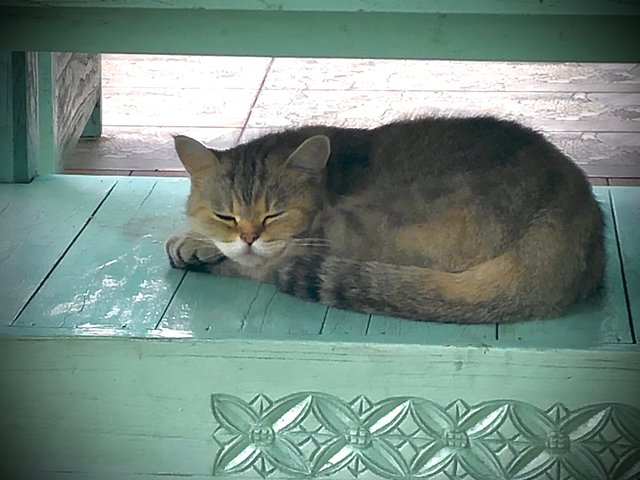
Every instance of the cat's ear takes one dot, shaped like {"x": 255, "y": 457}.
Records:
{"x": 195, "y": 157}
{"x": 312, "y": 155}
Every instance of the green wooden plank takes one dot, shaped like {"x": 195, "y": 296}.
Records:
{"x": 281, "y": 315}
{"x": 392, "y": 329}
{"x": 220, "y": 307}
{"x": 116, "y": 274}
{"x": 18, "y": 116}
{"x": 326, "y": 34}
{"x": 345, "y": 324}
{"x": 524, "y": 7}
{"x": 626, "y": 205}
{"x": 211, "y": 306}
{"x": 39, "y": 221}
{"x": 600, "y": 321}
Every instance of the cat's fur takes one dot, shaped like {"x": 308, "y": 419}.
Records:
{"x": 448, "y": 219}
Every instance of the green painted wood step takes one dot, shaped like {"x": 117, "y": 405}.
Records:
{"x": 115, "y": 275}
{"x": 38, "y": 222}
{"x": 114, "y": 278}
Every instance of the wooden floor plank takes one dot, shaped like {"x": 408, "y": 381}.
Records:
{"x": 207, "y": 306}
{"x": 283, "y": 315}
{"x": 345, "y": 325}
{"x": 398, "y": 330}
{"x": 39, "y": 221}
{"x": 218, "y": 307}
{"x": 562, "y": 111}
{"x": 588, "y": 110}
{"x": 599, "y": 154}
{"x": 441, "y": 75}
{"x": 198, "y": 107}
{"x": 175, "y": 72}
{"x": 145, "y": 148}
{"x": 626, "y": 205}
{"x": 116, "y": 275}
{"x": 600, "y": 321}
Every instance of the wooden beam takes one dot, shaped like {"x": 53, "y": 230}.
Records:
{"x": 49, "y": 159}
{"x": 501, "y": 37}
{"x": 19, "y": 139}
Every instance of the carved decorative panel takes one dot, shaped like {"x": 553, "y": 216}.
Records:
{"x": 316, "y": 435}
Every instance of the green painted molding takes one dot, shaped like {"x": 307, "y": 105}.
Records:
{"x": 315, "y": 435}
{"x": 523, "y": 7}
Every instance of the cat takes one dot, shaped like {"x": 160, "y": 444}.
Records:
{"x": 467, "y": 220}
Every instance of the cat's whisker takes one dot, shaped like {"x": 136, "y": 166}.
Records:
{"x": 309, "y": 245}
{"x": 309, "y": 241}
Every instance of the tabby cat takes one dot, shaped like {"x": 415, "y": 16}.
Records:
{"x": 469, "y": 220}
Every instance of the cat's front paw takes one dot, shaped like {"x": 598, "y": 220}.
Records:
{"x": 187, "y": 252}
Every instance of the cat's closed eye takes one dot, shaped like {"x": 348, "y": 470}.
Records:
{"x": 271, "y": 217}
{"x": 225, "y": 218}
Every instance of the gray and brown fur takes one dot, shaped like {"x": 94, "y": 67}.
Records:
{"x": 447, "y": 219}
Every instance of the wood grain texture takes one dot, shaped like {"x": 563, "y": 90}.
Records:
{"x": 610, "y": 154}
{"x": 116, "y": 275}
{"x": 549, "y": 111}
{"x": 206, "y": 306}
{"x": 395, "y": 330}
{"x": 217, "y": 307}
{"x": 69, "y": 90}
{"x": 106, "y": 408}
{"x": 77, "y": 91}
{"x": 373, "y": 86}
{"x": 199, "y": 107}
{"x": 143, "y": 148}
{"x": 184, "y": 71}
{"x": 39, "y": 221}
{"x": 442, "y": 75}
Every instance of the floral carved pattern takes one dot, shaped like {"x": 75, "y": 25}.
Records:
{"x": 316, "y": 435}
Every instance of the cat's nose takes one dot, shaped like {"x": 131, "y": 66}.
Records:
{"x": 249, "y": 237}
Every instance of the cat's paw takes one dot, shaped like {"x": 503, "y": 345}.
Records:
{"x": 187, "y": 252}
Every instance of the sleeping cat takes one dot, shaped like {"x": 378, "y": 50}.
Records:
{"x": 469, "y": 220}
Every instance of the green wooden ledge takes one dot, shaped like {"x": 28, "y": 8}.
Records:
{"x": 114, "y": 365}
{"x": 525, "y": 30}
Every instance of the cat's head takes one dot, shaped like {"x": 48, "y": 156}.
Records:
{"x": 252, "y": 203}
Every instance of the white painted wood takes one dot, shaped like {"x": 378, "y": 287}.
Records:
{"x": 76, "y": 90}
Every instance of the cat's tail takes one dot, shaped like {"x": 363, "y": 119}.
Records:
{"x": 481, "y": 294}
{"x": 515, "y": 285}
